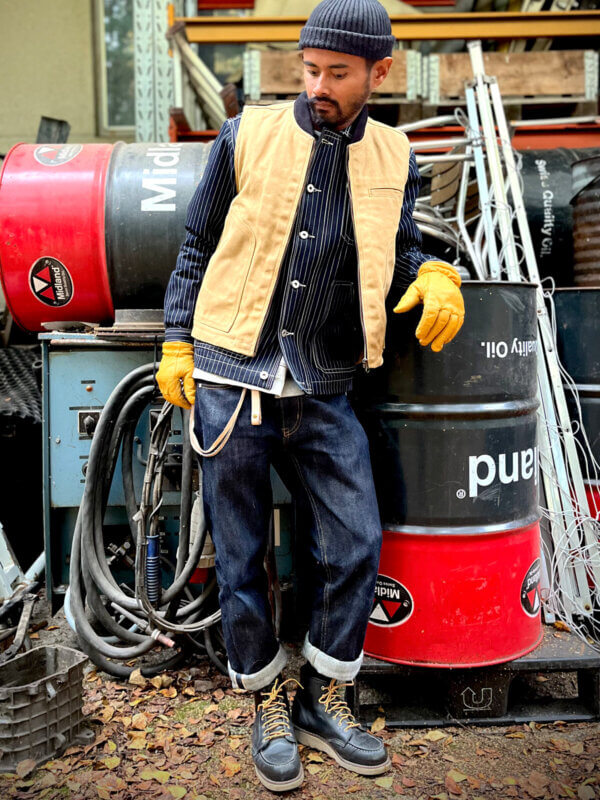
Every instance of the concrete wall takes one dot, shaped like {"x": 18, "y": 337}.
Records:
{"x": 46, "y": 68}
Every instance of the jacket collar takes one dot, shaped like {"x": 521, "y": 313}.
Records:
{"x": 304, "y": 120}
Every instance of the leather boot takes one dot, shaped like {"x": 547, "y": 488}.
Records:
{"x": 274, "y": 746}
{"x": 322, "y": 720}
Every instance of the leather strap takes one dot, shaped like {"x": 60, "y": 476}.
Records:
{"x": 222, "y": 439}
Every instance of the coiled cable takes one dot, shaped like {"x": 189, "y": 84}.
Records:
{"x": 134, "y": 625}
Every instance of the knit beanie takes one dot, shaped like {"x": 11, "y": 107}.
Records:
{"x": 358, "y": 27}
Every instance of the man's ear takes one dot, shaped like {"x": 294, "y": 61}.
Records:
{"x": 379, "y": 71}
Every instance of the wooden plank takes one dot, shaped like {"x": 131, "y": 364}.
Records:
{"x": 281, "y": 73}
{"x": 540, "y": 74}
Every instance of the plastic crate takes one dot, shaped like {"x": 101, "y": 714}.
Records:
{"x": 41, "y": 704}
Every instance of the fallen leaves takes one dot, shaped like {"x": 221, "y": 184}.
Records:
{"x": 205, "y": 738}
{"x": 177, "y": 791}
{"x": 137, "y": 740}
{"x": 452, "y": 785}
{"x": 162, "y": 776}
{"x": 137, "y": 679}
{"x": 230, "y": 766}
{"x": 140, "y": 721}
{"x": 457, "y": 776}
{"x": 435, "y": 735}
{"x": 25, "y": 767}
{"x": 234, "y": 742}
{"x": 186, "y": 736}
{"x": 561, "y": 626}
{"x": 378, "y": 725}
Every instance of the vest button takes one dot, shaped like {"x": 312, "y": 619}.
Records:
{"x": 295, "y": 284}
{"x": 303, "y": 234}
{"x": 310, "y": 188}
{"x": 264, "y": 375}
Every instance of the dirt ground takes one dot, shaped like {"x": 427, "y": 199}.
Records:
{"x": 186, "y": 734}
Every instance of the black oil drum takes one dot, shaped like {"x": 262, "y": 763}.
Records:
{"x": 148, "y": 189}
{"x": 548, "y": 190}
{"x": 455, "y": 459}
{"x": 586, "y": 221}
{"x": 578, "y": 331}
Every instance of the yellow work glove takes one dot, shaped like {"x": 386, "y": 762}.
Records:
{"x": 174, "y": 377}
{"x": 437, "y": 287}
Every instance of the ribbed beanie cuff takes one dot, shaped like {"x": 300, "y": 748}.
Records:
{"x": 358, "y": 27}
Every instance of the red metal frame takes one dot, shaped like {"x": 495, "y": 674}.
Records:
{"x": 526, "y": 137}
{"x": 215, "y": 5}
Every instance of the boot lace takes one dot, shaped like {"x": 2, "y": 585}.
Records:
{"x": 336, "y": 705}
{"x": 276, "y": 720}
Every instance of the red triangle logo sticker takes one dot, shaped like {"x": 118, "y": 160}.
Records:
{"x": 45, "y": 275}
{"x": 390, "y": 607}
{"x": 49, "y": 292}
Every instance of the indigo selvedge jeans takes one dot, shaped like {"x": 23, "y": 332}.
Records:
{"x": 321, "y": 452}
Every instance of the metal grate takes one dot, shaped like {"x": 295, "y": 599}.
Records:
{"x": 20, "y": 395}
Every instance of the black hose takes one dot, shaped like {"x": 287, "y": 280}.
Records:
{"x": 91, "y": 578}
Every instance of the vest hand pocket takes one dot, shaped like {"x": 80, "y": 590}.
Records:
{"x": 337, "y": 342}
{"x": 227, "y": 275}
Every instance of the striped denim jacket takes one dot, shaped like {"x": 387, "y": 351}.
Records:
{"x": 314, "y": 319}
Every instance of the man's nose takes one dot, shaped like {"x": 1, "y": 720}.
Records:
{"x": 322, "y": 85}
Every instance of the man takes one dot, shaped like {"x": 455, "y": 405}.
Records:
{"x": 299, "y": 228}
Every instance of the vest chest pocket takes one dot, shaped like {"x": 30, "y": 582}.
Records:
{"x": 386, "y": 203}
{"x": 221, "y": 291}
{"x": 385, "y": 191}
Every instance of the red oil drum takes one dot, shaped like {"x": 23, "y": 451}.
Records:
{"x": 592, "y": 491}
{"x": 456, "y": 600}
{"x": 454, "y": 451}
{"x": 52, "y": 252}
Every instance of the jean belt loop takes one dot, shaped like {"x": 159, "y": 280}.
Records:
{"x": 255, "y": 412}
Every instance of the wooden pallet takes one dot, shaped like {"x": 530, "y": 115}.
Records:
{"x": 271, "y": 74}
{"x": 496, "y": 695}
{"x": 532, "y": 77}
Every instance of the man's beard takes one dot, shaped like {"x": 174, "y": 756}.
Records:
{"x": 335, "y": 118}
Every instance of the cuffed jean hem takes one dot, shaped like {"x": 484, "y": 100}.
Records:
{"x": 258, "y": 680}
{"x": 329, "y": 666}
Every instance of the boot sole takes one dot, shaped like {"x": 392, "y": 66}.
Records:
{"x": 317, "y": 743}
{"x": 280, "y": 786}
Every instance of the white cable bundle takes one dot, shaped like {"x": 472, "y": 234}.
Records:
{"x": 570, "y": 532}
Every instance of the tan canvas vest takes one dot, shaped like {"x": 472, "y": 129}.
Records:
{"x": 272, "y": 156}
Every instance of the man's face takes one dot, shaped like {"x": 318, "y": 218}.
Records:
{"x": 338, "y": 85}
